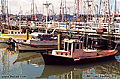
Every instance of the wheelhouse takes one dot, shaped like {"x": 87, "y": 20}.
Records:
{"x": 72, "y": 48}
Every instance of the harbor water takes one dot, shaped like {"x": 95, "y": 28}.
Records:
{"x": 30, "y": 65}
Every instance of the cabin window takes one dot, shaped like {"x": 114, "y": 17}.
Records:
{"x": 11, "y": 32}
{"x": 61, "y": 53}
{"x": 73, "y": 47}
{"x": 77, "y": 46}
{"x": 65, "y": 46}
{"x": 69, "y": 46}
{"x": 15, "y": 32}
{"x": 18, "y": 32}
{"x": 81, "y": 45}
{"x": 66, "y": 54}
{"x": 57, "y": 53}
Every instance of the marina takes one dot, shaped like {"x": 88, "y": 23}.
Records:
{"x": 64, "y": 39}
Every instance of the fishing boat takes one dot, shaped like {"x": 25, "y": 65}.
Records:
{"x": 13, "y": 34}
{"x": 39, "y": 41}
{"x": 74, "y": 53}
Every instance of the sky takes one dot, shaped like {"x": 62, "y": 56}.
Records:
{"x": 14, "y": 5}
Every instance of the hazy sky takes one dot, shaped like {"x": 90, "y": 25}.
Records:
{"x": 14, "y": 5}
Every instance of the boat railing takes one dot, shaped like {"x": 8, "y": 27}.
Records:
{"x": 61, "y": 53}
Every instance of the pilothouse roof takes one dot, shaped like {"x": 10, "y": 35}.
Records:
{"x": 72, "y": 40}
{"x": 38, "y": 33}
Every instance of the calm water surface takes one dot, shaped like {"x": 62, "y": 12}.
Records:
{"x": 30, "y": 65}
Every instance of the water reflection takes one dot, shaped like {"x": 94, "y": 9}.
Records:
{"x": 31, "y": 64}
{"x": 15, "y": 63}
{"x": 97, "y": 70}
{"x": 30, "y": 57}
{"x": 117, "y": 57}
{"x": 5, "y": 58}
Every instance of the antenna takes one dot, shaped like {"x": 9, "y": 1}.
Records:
{"x": 60, "y": 17}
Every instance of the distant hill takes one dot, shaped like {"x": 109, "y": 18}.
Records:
{"x": 40, "y": 16}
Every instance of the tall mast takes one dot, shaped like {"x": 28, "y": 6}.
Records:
{"x": 100, "y": 7}
{"x": 63, "y": 19}
{"x": 20, "y": 15}
{"x": 77, "y": 9}
{"x": 32, "y": 9}
{"x": 36, "y": 12}
{"x": 7, "y": 16}
{"x": 81, "y": 10}
{"x": 109, "y": 16}
{"x": 47, "y": 5}
{"x": 43, "y": 12}
{"x": 60, "y": 17}
{"x": 65, "y": 10}
{"x": 115, "y": 6}
{"x": 115, "y": 10}
{"x": 3, "y": 3}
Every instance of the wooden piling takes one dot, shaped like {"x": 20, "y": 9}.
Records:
{"x": 27, "y": 34}
{"x": 59, "y": 41}
{"x": 87, "y": 42}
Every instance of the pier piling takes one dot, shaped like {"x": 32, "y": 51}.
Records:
{"x": 27, "y": 35}
{"x": 59, "y": 41}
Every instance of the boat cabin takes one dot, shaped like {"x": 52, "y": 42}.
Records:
{"x": 14, "y": 32}
{"x": 41, "y": 36}
{"x": 74, "y": 49}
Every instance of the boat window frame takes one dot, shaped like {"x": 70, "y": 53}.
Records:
{"x": 77, "y": 46}
{"x": 73, "y": 47}
{"x": 66, "y": 43}
{"x": 69, "y": 48}
{"x": 11, "y": 32}
{"x": 81, "y": 46}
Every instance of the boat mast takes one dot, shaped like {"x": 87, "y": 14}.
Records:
{"x": 81, "y": 11}
{"x": 7, "y": 16}
{"x": 74, "y": 10}
{"x": 109, "y": 16}
{"x": 77, "y": 9}
{"x": 36, "y": 12}
{"x": 86, "y": 23}
{"x": 42, "y": 13}
{"x": 20, "y": 16}
{"x": 32, "y": 10}
{"x": 60, "y": 17}
{"x": 114, "y": 19}
{"x": 63, "y": 12}
{"x": 115, "y": 7}
{"x": 47, "y": 5}
{"x": 3, "y": 3}
{"x": 100, "y": 7}
{"x": 109, "y": 44}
